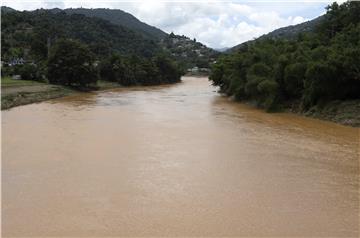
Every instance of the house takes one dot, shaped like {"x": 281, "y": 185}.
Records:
{"x": 16, "y": 77}
{"x": 16, "y": 61}
{"x": 207, "y": 70}
{"x": 195, "y": 69}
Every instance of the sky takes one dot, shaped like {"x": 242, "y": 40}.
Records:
{"x": 216, "y": 23}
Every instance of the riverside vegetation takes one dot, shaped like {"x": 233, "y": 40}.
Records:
{"x": 311, "y": 68}
{"x": 77, "y": 51}
{"x": 317, "y": 73}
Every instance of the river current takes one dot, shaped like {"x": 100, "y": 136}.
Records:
{"x": 174, "y": 160}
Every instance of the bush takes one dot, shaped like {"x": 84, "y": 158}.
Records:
{"x": 269, "y": 90}
{"x": 320, "y": 83}
{"x": 168, "y": 69}
{"x": 28, "y": 72}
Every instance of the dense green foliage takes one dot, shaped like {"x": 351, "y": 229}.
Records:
{"x": 27, "y": 71}
{"x": 71, "y": 63}
{"x": 28, "y": 34}
{"x": 187, "y": 52}
{"x": 34, "y": 46}
{"x": 134, "y": 70}
{"x": 119, "y": 17}
{"x": 314, "y": 68}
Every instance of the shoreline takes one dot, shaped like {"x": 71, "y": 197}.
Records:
{"x": 39, "y": 92}
{"x": 24, "y": 98}
{"x": 18, "y": 95}
{"x": 346, "y": 113}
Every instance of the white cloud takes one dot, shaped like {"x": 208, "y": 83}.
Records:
{"x": 217, "y": 24}
{"x": 54, "y": 4}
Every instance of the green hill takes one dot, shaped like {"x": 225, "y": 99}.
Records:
{"x": 187, "y": 52}
{"x": 121, "y": 18}
{"x": 285, "y": 33}
{"x": 76, "y": 50}
{"x": 30, "y": 33}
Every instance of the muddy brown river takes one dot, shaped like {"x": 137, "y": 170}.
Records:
{"x": 176, "y": 160}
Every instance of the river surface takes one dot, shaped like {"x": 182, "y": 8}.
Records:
{"x": 177, "y": 160}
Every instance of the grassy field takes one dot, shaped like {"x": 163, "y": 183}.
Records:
{"x": 16, "y": 92}
{"x": 343, "y": 112}
{"x": 9, "y": 82}
{"x": 20, "y": 92}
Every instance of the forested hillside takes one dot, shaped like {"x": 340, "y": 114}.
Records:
{"x": 312, "y": 69}
{"x": 29, "y": 34}
{"x": 105, "y": 31}
{"x": 285, "y": 33}
{"x": 188, "y": 52}
{"x": 71, "y": 49}
{"x": 121, "y": 18}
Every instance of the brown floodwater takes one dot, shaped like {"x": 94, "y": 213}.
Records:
{"x": 176, "y": 160}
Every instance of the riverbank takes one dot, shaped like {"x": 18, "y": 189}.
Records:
{"x": 342, "y": 112}
{"x": 197, "y": 74}
{"x": 21, "y": 92}
{"x": 345, "y": 112}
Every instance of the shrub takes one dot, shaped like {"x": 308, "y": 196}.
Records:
{"x": 28, "y": 72}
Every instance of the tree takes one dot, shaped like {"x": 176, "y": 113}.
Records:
{"x": 168, "y": 69}
{"x": 135, "y": 70}
{"x": 269, "y": 92}
{"x": 320, "y": 83}
{"x": 315, "y": 67}
{"x": 216, "y": 76}
{"x": 113, "y": 69}
{"x": 71, "y": 63}
{"x": 27, "y": 71}
{"x": 293, "y": 79}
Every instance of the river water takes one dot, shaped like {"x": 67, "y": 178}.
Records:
{"x": 177, "y": 160}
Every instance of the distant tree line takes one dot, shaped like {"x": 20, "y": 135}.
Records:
{"x": 72, "y": 63}
{"x": 135, "y": 70}
{"x": 314, "y": 68}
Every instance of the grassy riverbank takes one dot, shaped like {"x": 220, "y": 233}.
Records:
{"x": 343, "y": 112}
{"x": 21, "y": 92}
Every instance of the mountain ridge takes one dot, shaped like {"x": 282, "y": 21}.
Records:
{"x": 25, "y": 30}
{"x": 122, "y": 18}
{"x": 288, "y": 32}
{"x": 95, "y": 25}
